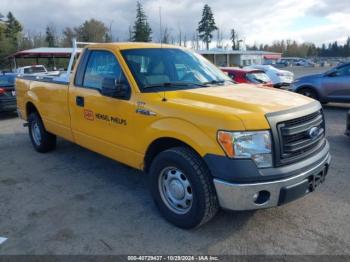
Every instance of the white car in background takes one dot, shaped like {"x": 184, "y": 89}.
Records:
{"x": 35, "y": 70}
{"x": 278, "y": 77}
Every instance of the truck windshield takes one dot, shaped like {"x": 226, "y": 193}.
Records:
{"x": 171, "y": 68}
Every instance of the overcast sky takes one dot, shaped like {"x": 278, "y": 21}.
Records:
{"x": 257, "y": 21}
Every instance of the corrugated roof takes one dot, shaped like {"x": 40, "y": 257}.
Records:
{"x": 45, "y": 52}
{"x": 235, "y": 52}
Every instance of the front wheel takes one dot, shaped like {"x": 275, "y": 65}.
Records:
{"x": 309, "y": 93}
{"x": 42, "y": 140}
{"x": 182, "y": 188}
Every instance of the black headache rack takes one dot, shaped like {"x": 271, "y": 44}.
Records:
{"x": 297, "y": 133}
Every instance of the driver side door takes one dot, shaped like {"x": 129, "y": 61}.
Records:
{"x": 99, "y": 122}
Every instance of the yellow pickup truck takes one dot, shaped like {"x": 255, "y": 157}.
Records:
{"x": 203, "y": 141}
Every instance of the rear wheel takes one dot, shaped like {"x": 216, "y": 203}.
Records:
{"x": 309, "y": 93}
{"x": 42, "y": 140}
{"x": 182, "y": 188}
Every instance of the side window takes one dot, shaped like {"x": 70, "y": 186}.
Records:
{"x": 231, "y": 75}
{"x": 101, "y": 64}
{"x": 344, "y": 71}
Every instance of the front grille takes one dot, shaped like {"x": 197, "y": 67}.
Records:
{"x": 300, "y": 137}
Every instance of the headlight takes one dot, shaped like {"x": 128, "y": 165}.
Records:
{"x": 254, "y": 145}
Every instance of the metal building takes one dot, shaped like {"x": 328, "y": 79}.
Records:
{"x": 228, "y": 58}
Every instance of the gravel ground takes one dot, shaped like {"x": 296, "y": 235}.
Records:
{"x": 73, "y": 201}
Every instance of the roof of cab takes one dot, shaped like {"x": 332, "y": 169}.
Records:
{"x": 131, "y": 45}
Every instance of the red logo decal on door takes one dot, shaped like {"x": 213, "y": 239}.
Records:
{"x": 88, "y": 115}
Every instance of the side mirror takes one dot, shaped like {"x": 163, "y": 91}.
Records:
{"x": 113, "y": 88}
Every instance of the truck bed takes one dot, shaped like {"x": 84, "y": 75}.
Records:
{"x": 61, "y": 79}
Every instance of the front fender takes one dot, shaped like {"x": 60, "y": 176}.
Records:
{"x": 184, "y": 131}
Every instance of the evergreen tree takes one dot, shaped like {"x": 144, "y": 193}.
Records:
{"x": 233, "y": 38}
{"x": 347, "y": 47}
{"x": 206, "y": 26}
{"x": 12, "y": 30}
{"x": 141, "y": 29}
{"x": 50, "y": 36}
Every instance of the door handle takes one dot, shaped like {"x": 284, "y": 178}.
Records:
{"x": 79, "y": 100}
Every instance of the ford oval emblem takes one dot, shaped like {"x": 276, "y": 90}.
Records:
{"x": 314, "y": 132}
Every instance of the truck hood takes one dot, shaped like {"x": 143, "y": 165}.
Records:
{"x": 246, "y": 102}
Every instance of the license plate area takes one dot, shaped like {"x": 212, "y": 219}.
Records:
{"x": 308, "y": 185}
{"x": 317, "y": 179}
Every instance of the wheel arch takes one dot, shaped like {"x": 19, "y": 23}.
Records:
{"x": 30, "y": 108}
{"x": 311, "y": 87}
{"x": 161, "y": 144}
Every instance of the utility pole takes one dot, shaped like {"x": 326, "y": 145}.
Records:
{"x": 160, "y": 25}
{"x": 110, "y": 30}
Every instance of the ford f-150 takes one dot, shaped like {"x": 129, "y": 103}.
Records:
{"x": 203, "y": 141}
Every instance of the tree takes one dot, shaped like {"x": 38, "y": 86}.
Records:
{"x": 166, "y": 36}
{"x": 312, "y": 50}
{"x": 206, "y": 26}
{"x": 141, "y": 30}
{"x": 26, "y": 41}
{"x": 91, "y": 31}
{"x": 180, "y": 37}
{"x": 234, "y": 39}
{"x": 347, "y": 47}
{"x": 219, "y": 41}
{"x": 68, "y": 36}
{"x": 130, "y": 34}
{"x": 108, "y": 38}
{"x": 13, "y": 28}
{"x": 51, "y": 38}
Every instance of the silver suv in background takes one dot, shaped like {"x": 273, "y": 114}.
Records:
{"x": 331, "y": 86}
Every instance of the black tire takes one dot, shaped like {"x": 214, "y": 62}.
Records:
{"x": 309, "y": 93}
{"x": 47, "y": 141}
{"x": 204, "y": 204}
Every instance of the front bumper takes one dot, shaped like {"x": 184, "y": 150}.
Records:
{"x": 295, "y": 181}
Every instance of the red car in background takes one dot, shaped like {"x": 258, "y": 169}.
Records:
{"x": 251, "y": 76}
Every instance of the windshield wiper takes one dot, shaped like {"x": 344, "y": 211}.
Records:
{"x": 174, "y": 84}
{"x": 217, "y": 82}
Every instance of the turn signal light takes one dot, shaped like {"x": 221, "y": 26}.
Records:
{"x": 226, "y": 142}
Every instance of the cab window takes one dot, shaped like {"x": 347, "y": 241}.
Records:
{"x": 343, "y": 71}
{"x": 100, "y": 65}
